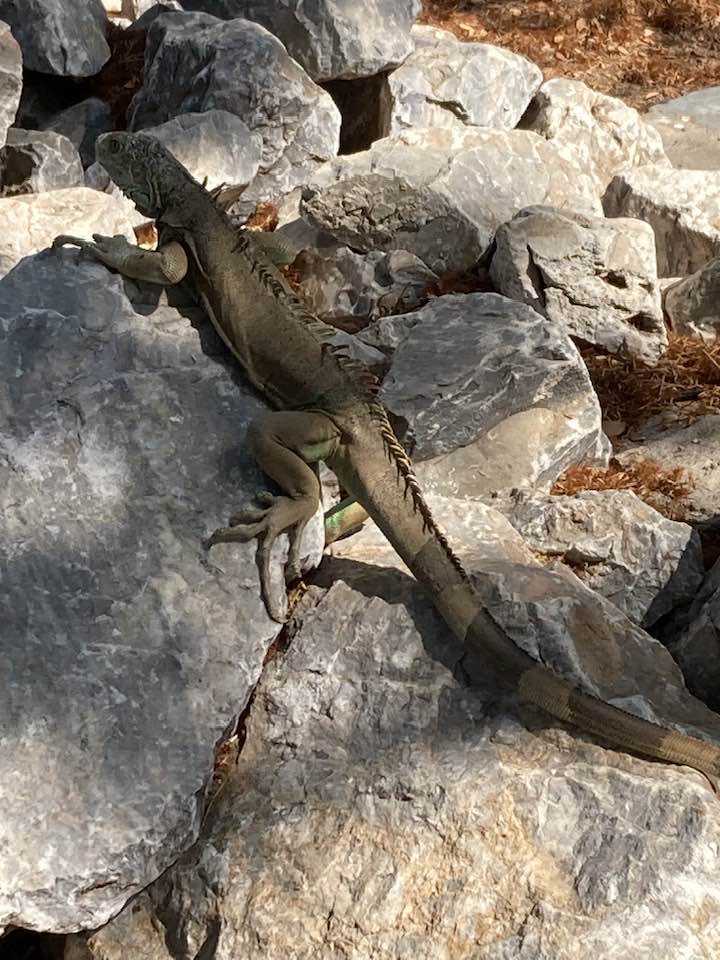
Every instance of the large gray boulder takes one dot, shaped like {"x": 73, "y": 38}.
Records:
{"x": 63, "y": 37}
{"x": 442, "y": 193}
{"x": 83, "y": 123}
{"x": 619, "y": 546}
{"x": 31, "y": 222}
{"x": 128, "y": 652}
{"x": 195, "y": 63}
{"x": 330, "y": 39}
{"x": 446, "y": 82}
{"x": 391, "y": 800}
{"x": 595, "y": 277}
{"x": 682, "y": 207}
{"x": 36, "y": 160}
{"x": 489, "y": 392}
{"x": 11, "y": 79}
{"x": 602, "y": 133}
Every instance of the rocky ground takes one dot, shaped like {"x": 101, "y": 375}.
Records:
{"x": 530, "y": 264}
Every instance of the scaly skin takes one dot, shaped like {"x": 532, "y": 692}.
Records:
{"x": 328, "y": 414}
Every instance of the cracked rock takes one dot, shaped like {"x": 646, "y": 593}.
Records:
{"x": 489, "y": 392}
{"x": 595, "y": 277}
{"x": 446, "y": 82}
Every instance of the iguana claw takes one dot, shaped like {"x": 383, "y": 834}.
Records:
{"x": 274, "y": 516}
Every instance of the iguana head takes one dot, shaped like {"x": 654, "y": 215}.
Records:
{"x": 144, "y": 169}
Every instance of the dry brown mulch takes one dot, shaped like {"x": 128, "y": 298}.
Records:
{"x": 664, "y": 488}
{"x": 643, "y": 51}
{"x": 686, "y": 380}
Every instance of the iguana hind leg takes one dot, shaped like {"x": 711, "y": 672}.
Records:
{"x": 284, "y": 444}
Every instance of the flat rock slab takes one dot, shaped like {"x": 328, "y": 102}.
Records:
{"x": 703, "y": 106}
{"x": 391, "y": 801}
{"x": 127, "y": 650}
{"x": 688, "y": 144}
{"x": 330, "y": 39}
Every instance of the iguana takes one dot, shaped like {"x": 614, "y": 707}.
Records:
{"x": 325, "y": 411}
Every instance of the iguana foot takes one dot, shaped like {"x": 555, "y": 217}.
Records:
{"x": 112, "y": 251}
{"x": 274, "y": 516}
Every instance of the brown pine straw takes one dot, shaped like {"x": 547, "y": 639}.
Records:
{"x": 685, "y": 380}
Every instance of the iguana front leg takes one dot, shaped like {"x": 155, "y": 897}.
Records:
{"x": 167, "y": 265}
{"x": 283, "y": 445}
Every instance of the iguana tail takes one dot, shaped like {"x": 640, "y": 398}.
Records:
{"x": 380, "y": 478}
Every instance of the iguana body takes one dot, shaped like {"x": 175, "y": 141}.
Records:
{"x": 330, "y": 415}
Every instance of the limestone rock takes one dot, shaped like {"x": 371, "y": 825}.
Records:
{"x": 341, "y": 284}
{"x": 697, "y": 647}
{"x": 604, "y": 134}
{"x": 682, "y": 207}
{"x": 36, "y": 160}
{"x": 11, "y": 79}
{"x": 32, "y": 222}
{"x": 330, "y": 38}
{"x": 695, "y": 446}
{"x": 446, "y": 82}
{"x": 692, "y": 304}
{"x": 128, "y": 652}
{"x": 619, "y": 546}
{"x": 495, "y": 394}
{"x": 438, "y": 181}
{"x": 702, "y": 106}
{"x": 195, "y": 63}
{"x": 83, "y": 123}
{"x": 71, "y": 41}
{"x": 384, "y": 807}
{"x": 595, "y": 277}
{"x": 687, "y": 143}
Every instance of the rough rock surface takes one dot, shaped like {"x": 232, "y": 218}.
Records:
{"x": 697, "y": 647}
{"x": 695, "y": 447}
{"x": 476, "y": 175}
{"x": 71, "y": 42}
{"x": 330, "y": 38}
{"x": 127, "y": 651}
{"x": 195, "y": 62}
{"x": 10, "y": 79}
{"x": 682, "y": 207}
{"x": 36, "y": 160}
{"x": 693, "y": 303}
{"x": 32, "y": 222}
{"x": 464, "y": 369}
{"x": 83, "y": 123}
{"x": 340, "y": 284}
{"x": 702, "y": 106}
{"x": 445, "y": 83}
{"x": 375, "y": 212}
{"x": 384, "y": 807}
{"x": 604, "y": 134}
{"x": 595, "y": 277}
{"x": 687, "y": 143}
{"x": 618, "y": 545}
